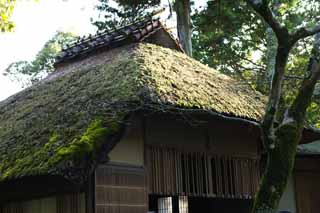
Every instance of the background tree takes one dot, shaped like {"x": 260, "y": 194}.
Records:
{"x": 6, "y": 9}
{"x": 184, "y": 28}
{"x": 281, "y": 137}
{"x": 29, "y": 72}
{"x": 225, "y": 35}
{"x": 112, "y": 14}
{"x": 121, "y": 12}
{"x": 228, "y": 36}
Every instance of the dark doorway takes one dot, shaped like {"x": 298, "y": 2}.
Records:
{"x": 208, "y": 205}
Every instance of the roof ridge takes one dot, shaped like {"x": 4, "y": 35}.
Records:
{"x": 143, "y": 26}
{"x": 84, "y": 38}
{"x": 134, "y": 31}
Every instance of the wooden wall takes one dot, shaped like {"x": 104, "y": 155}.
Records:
{"x": 120, "y": 189}
{"x": 307, "y": 184}
{"x": 69, "y": 203}
{"x": 211, "y": 135}
{"x": 165, "y": 155}
{"x": 130, "y": 149}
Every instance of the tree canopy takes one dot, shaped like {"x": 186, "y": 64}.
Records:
{"x": 228, "y": 36}
{"x": 121, "y": 12}
{"x": 6, "y": 9}
{"x": 29, "y": 72}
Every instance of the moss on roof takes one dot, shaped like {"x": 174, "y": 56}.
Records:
{"x": 64, "y": 119}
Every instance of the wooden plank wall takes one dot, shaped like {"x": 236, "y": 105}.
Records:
{"x": 121, "y": 189}
{"x": 12, "y": 208}
{"x": 173, "y": 172}
{"x": 74, "y": 203}
{"x": 307, "y": 184}
{"x": 307, "y": 192}
{"x": 68, "y": 203}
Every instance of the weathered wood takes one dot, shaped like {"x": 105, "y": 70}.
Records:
{"x": 36, "y": 187}
{"x": 120, "y": 189}
{"x": 200, "y": 175}
{"x": 66, "y": 203}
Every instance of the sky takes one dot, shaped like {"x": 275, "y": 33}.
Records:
{"x": 36, "y": 23}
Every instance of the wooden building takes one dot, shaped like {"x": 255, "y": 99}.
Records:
{"x": 129, "y": 124}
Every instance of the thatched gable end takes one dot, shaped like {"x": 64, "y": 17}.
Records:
{"x": 61, "y": 123}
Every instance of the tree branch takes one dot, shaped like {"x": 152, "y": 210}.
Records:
{"x": 262, "y": 8}
{"x": 303, "y": 33}
{"x": 250, "y": 61}
{"x": 303, "y": 99}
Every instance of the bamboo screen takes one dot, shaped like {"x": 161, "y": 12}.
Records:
{"x": 120, "y": 190}
{"x": 172, "y": 172}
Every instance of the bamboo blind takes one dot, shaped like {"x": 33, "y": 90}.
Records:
{"x": 120, "y": 190}
{"x": 72, "y": 203}
{"x": 173, "y": 172}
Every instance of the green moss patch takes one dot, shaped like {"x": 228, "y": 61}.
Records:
{"x": 87, "y": 144}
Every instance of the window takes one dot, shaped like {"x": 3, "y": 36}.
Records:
{"x": 165, "y": 205}
{"x": 183, "y": 204}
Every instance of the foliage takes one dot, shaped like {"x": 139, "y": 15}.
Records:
{"x": 6, "y": 9}
{"x": 225, "y": 35}
{"x": 228, "y": 36}
{"x": 29, "y": 72}
{"x": 120, "y": 12}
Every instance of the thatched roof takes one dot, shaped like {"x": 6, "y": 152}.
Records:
{"x": 61, "y": 123}
{"x": 309, "y": 149}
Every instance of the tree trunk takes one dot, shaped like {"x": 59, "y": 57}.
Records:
{"x": 282, "y": 142}
{"x": 183, "y": 10}
{"x": 281, "y": 156}
{"x": 264, "y": 79}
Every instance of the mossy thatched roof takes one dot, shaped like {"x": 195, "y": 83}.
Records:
{"x": 60, "y": 123}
